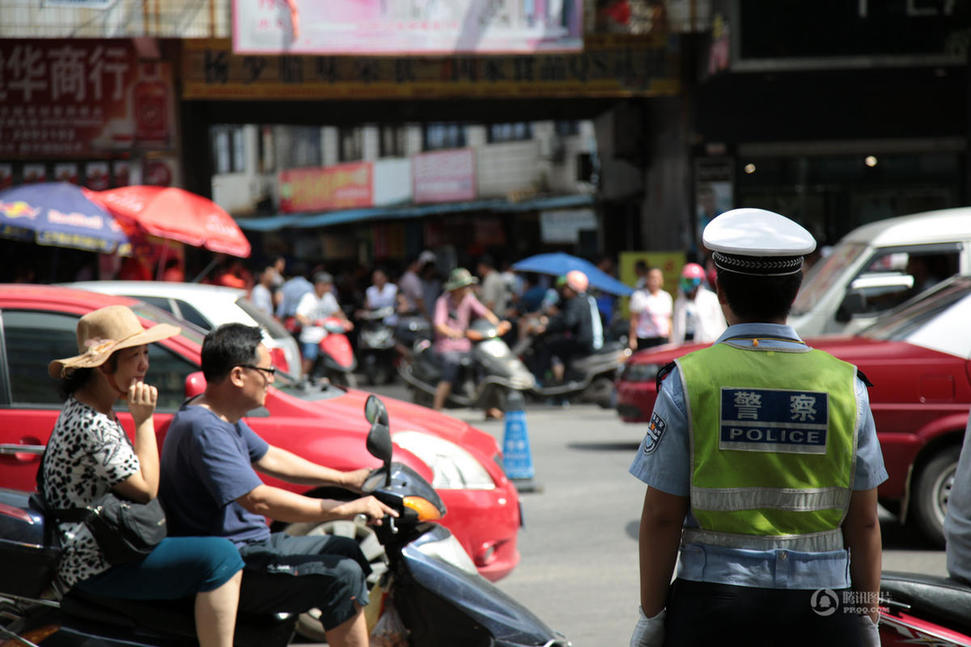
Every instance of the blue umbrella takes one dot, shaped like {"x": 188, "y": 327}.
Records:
{"x": 59, "y": 214}
{"x": 559, "y": 264}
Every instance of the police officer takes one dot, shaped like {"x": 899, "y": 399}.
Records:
{"x": 761, "y": 462}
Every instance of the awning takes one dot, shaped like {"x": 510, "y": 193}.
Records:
{"x": 330, "y": 218}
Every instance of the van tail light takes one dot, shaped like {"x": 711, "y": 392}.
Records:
{"x": 279, "y": 359}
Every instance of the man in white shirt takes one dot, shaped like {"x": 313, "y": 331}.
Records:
{"x": 313, "y": 308}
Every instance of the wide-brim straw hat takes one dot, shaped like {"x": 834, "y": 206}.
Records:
{"x": 459, "y": 278}
{"x": 102, "y": 332}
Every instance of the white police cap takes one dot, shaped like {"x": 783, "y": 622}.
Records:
{"x": 756, "y": 242}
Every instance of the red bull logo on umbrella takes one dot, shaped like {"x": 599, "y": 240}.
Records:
{"x": 19, "y": 209}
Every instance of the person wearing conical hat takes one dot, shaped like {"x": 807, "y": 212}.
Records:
{"x": 89, "y": 453}
{"x": 454, "y": 310}
{"x": 762, "y": 463}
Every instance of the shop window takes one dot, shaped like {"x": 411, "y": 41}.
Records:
{"x": 300, "y": 146}
{"x": 439, "y": 136}
{"x": 266, "y": 155}
{"x": 566, "y": 128}
{"x": 511, "y": 132}
{"x": 228, "y": 146}
{"x": 391, "y": 141}
{"x": 351, "y": 142}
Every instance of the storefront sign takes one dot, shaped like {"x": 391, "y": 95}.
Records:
{"x": 392, "y": 181}
{"x": 838, "y": 34}
{"x": 444, "y": 176}
{"x": 565, "y": 226}
{"x": 622, "y": 68}
{"x": 326, "y": 188}
{"x": 75, "y": 98}
{"x": 405, "y": 26}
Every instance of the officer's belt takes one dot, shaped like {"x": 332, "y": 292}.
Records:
{"x": 817, "y": 542}
{"x": 753, "y": 498}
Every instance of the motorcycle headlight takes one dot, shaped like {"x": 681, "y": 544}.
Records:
{"x": 453, "y": 467}
{"x": 493, "y": 348}
{"x": 448, "y": 549}
{"x": 640, "y": 372}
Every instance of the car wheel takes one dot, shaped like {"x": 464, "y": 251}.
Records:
{"x": 308, "y": 624}
{"x": 931, "y": 491}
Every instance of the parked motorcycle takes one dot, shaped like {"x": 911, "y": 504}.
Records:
{"x": 376, "y": 345}
{"x": 430, "y": 595}
{"x": 922, "y": 609}
{"x": 336, "y": 361}
{"x": 490, "y": 372}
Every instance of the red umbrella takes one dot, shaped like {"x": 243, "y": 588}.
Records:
{"x": 176, "y": 214}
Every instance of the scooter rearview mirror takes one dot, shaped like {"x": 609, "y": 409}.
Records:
{"x": 379, "y": 438}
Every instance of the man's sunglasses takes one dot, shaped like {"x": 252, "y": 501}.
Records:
{"x": 269, "y": 371}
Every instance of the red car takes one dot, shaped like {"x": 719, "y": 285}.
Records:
{"x": 918, "y": 360}
{"x": 322, "y": 424}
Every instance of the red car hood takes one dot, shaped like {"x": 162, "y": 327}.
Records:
{"x": 405, "y": 416}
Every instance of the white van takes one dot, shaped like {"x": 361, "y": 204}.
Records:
{"x": 880, "y": 265}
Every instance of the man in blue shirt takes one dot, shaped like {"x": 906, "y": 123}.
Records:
{"x": 209, "y": 486}
{"x": 743, "y": 579}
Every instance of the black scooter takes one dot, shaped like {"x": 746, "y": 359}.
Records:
{"x": 376, "y": 345}
{"x": 430, "y": 596}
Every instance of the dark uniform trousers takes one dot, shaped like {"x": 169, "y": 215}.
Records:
{"x": 704, "y": 614}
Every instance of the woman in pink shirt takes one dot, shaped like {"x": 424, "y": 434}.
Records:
{"x": 453, "y": 339}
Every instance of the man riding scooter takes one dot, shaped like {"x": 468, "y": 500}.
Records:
{"x": 574, "y": 332}
{"x": 314, "y": 307}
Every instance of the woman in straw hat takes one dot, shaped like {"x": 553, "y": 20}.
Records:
{"x": 453, "y": 311}
{"x": 89, "y": 454}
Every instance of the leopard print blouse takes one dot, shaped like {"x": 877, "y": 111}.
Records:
{"x": 87, "y": 455}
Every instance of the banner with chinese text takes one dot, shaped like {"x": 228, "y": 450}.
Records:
{"x": 77, "y": 98}
{"x": 613, "y": 67}
{"x": 342, "y": 186}
{"x": 405, "y": 26}
{"x": 443, "y": 176}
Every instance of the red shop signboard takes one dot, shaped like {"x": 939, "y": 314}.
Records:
{"x": 81, "y": 97}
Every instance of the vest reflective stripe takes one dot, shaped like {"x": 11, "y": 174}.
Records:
{"x": 773, "y": 443}
{"x": 731, "y": 499}
{"x": 819, "y": 542}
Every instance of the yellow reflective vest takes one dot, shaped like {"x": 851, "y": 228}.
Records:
{"x": 773, "y": 446}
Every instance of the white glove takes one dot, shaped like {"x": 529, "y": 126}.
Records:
{"x": 871, "y": 633}
{"x": 649, "y": 632}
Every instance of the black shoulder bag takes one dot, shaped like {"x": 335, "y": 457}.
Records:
{"x": 124, "y": 530}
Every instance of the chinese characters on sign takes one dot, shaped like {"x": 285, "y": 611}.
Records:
{"x": 80, "y": 98}
{"x": 324, "y": 188}
{"x": 629, "y": 68}
{"x": 444, "y": 176}
{"x": 773, "y": 420}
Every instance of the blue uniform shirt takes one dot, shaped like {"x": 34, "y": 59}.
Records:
{"x": 206, "y": 465}
{"x": 667, "y": 468}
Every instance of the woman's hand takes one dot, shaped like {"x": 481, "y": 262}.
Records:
{"x": 142, "y": 399}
